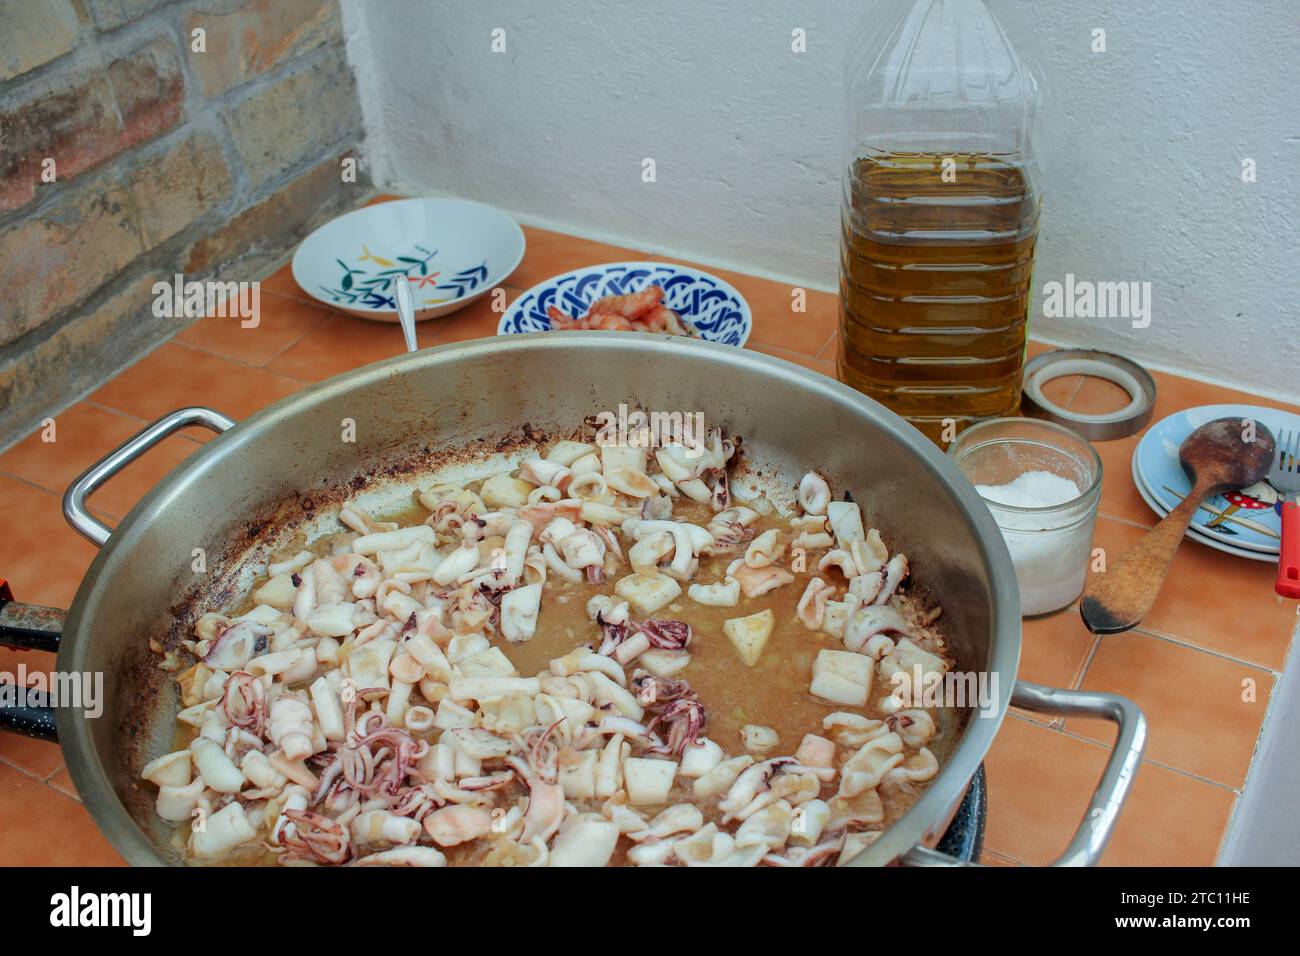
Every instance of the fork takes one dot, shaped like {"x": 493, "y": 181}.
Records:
{"x": 1284, "y": 476}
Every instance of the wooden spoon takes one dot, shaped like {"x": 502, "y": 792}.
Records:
{"x": 1218, "y": 456}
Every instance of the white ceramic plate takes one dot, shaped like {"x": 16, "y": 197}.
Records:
{"x": 452, "y": 250}
{"x": 712, "y": 307}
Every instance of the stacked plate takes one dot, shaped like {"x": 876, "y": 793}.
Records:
{"x": 1246, "y": 521}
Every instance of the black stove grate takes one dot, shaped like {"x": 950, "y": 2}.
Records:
{"x": 965, "y": 836}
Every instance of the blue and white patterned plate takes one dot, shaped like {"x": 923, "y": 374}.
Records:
{"x": 452, "y": 251}
{"x": 712, "y": 307}
{"x": 1155, "y": 462}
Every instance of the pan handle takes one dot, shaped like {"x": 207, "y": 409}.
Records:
{"x": 1103, "y": 810}
{"x": 74, "y": 500}
{"x": 27, "y": 627}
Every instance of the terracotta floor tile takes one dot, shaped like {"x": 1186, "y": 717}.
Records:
{"x": 1040, "y": 781}
{"x": 1214, "y": 600}
{"x": 1196, "y": 717}
{"x": 1169, "y": 819}
{"x": 1175, "y": 392}
{"x": 479, "y": 319}
{"x": 42, "y": 557}
{"x": 1039, "y": 784}
{"x": 776, "y": 325}
{"x": 175, "y": 375}
{"x": 548, "y": 254}
{"x": 344, "y": 342}
{"x": 62, "y": 782}
{"x": 1096, "y": 396}
{"x": 281, "y": 322}
{"x": 40, "y": 826}
{"x": 282, "y": 283}
{"x": 823, "y": 366}
{"x": 1053, "y": 650}
{"x": 1062, "y": 390}
{"x": 827, "y": 351}
{"x": 989, "y": 858}
{"x": 1119, "y": 495}
{"x": 36, "y": 757}
{"x": 83, "y": 434}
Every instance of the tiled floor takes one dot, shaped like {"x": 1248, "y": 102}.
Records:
{"x": 1217, "y": 623}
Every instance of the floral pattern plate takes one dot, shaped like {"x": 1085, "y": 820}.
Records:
{"x": 710, "y": 306}
{"x": 452, "y": 250}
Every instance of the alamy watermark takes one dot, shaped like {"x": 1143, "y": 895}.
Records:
{"x": 75, "y": 908}
{"x": 195, "y": 299}
{"x": 637, "y": 429}
{"x": 951, "y": 689}
{"x": 1085, "y": 299}
{"x": 79, "y": 691}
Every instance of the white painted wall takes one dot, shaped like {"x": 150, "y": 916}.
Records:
{"x": 1143, "y": 161}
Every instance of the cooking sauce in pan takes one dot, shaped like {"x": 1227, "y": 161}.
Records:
{"x": 773, "y": 693}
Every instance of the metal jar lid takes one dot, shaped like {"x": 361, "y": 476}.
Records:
{"x": 1125, "y": 373}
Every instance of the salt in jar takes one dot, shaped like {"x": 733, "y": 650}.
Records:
{"x": 1042, "y": 483}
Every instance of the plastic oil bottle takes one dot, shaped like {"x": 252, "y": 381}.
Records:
{"x": 940, "y": 214}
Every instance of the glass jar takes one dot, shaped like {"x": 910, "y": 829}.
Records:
{"x": 1050, "y": 544}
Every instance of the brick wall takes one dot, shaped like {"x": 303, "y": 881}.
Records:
{"x": 128, "y": 155}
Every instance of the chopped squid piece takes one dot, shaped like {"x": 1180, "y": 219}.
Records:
{"x": 869, "y": 622}
{"x": 588, "y": 840}
{"x": 725, "y": 593}
{"x": 169, "y": 770}
{"x": 519, "y": 612}
{"x": 812, "y": 606}
{"x": 845, "y": 519}
{"x": 764, "y": 550}
{"x": 749, "y": 635}
{"x": 866, "y": 768}
{"x": 224, "y": 830}
{"x": 648, "y": 781}
{"x": 457, "y": 824}
{"x": 404, "y": 856}
{"x": 755, "y": 582}
{"x": 814, "y": 494}
{"x": 842, "y": 677}
{"x": 647, "y": 591}
{"x": 757, "y": 739}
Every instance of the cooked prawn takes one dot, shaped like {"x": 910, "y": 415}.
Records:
{"x": 632, "y": 305}
{"x": 662, "y": 319}
{"x": 642, "y": 311}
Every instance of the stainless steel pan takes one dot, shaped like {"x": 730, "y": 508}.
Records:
{"x": 280, "y": 473}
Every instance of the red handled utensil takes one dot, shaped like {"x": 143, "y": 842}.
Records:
{"x": 1284, "y": 475}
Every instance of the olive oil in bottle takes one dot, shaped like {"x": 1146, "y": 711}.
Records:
{"x": 936, "y": 262}
{"x": 942, "y": 192}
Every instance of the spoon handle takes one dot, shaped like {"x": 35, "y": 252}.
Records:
{"x": 406, "y": 312}
{"x": 1119, "y": 597}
